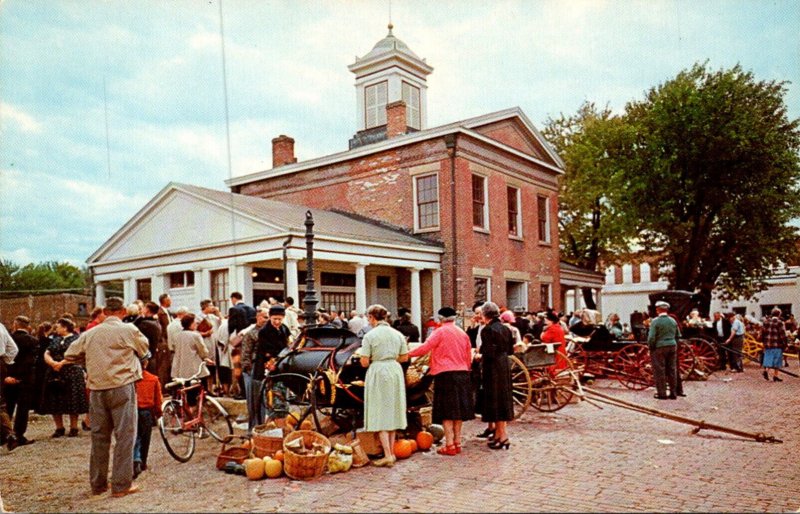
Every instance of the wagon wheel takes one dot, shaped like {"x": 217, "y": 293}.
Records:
{"x": 279, "y": 401}
{"x": 581, "y": 361}
{"x": 751, "y": 346}
{"x": 632, "y": 367}
{"x": 521, "y": 385}
{"x": 686, "y": 359}
{"x": 706, "y": 358}
{"x": 552, "y": 389}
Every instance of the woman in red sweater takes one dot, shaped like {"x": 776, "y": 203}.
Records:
{"x": 451, "y": 361}
{"x": 554, "y": 333}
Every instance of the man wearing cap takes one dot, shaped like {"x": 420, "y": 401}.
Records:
{"x": 18, "y": 382}
{"x": 520, "y": 321}
{"x": 662, "y": 339}
{"x": 272, "y": 339}
{"x": 110, "y": 353}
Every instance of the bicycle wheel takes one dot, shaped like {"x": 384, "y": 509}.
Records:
{"x": 215, "y": 419}
{"x": 179, "y": 442}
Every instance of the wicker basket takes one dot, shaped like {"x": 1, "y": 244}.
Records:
{"x": 305, "y": 467}
{"x": 264, "y": 445}
{"x": 235, "y": 454}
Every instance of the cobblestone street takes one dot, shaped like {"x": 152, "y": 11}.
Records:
{"x": 578, "y": 459}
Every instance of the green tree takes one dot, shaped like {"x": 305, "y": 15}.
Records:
{"x": 42, "y": 277}
{"x": 712, "y": 182}
{"x": 592, "y": 229}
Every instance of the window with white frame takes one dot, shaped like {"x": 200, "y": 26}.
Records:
{"x": 411, "y": 99}
{"x": 480, "y": 204}
{"x": 516, "y": 294}
{"x": 375, "y": 99}
{"x": 545, "y": 298}
{"x": 543, "y": 212}
{"x": 514, "y": 212}
{"x": 219, "y": 289}
{"x": 426, "y": 202}
{"x": 181, "y": 279}
{"x": 482, "y": 289}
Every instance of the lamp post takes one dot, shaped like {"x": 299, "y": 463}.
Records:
{"x": 310, "y": 300}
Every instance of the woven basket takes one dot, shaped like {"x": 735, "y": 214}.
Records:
{"x": 236, "y": 454}
{"x": 266, "y": 446}
{"x": 305, "y": 467}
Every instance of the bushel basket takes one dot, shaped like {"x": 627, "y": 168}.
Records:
{"x": 264, "y": 445}
{"x": 305, "y": 466}
{"x": 235, "y": 454}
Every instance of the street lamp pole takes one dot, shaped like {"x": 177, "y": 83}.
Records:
{"x": 310, "y": 300}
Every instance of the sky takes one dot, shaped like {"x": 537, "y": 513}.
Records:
{"x": 103, "y": 103}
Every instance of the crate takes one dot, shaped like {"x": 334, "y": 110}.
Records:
{"x": 539, "y": 355}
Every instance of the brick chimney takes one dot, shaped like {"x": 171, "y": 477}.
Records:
{"x": 395, "y": 119}
{"x": 282, "y": 151}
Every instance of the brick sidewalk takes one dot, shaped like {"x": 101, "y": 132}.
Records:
{"x": 578, "y": 459}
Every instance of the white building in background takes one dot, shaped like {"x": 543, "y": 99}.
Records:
{"x": 627, "y": 288}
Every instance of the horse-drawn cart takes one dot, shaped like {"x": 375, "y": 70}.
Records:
{"x": 321, "y": 379}
{"x": 543, "y": 377}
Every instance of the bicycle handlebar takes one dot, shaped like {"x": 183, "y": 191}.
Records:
{"x": 182, "y": 381}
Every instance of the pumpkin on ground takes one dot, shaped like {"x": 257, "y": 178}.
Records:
{"x": 424, "y": 440}
{"x": 437, "y": 431}
{"x": 403, "y": 448}
{"x": 273, "y": 468}
{"x": 414, "y": 446}
{"x": 278, "y": 455}
{"x": 254, "y": 469}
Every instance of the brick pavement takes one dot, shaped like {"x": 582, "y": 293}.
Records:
{"x": 579, "y": 459}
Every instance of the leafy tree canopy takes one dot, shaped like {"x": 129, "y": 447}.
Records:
{"x": 712, "y": 180}
{"x": 42, "y": 277}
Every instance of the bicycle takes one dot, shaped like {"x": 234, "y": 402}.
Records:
{"x": 184, "y": 418}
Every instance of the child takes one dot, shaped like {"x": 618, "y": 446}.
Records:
{"x": 148, "y": 399}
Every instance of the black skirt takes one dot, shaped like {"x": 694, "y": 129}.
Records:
{"x": 452, "y": 397}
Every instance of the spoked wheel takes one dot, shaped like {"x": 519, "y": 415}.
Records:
{"x": 706, "y": 358}
{"x": 179, "y": 443}
{"x": 520, "y": 385}
{"x": 633, "y": 368}
{"x": 751, "y": 346}
{"x": 686, "y": 359}
{"x": 552, "y": 389}
{"x": 279, "y": 401}
{"x": 215, "y": 419}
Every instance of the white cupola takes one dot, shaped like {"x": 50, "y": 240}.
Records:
{"x": 390, "y": 73}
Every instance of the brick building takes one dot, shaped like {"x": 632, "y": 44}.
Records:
{"x": 407, "y": 216}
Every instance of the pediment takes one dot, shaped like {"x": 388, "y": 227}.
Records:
{"x": 515, "y": 134}
{"x": 179, "y": 221}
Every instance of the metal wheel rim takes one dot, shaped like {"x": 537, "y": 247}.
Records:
{"x": 215, "y": 420}
{"x": 179, "y": 443}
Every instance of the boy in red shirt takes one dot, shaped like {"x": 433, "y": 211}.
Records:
{"x": 148, "y": 399}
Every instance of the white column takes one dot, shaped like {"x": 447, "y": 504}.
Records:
{"x": 157, "y": 286}
{"x": 597, "y": 297}
{"x": 436, "y": 290}
{"x": 416, "y": 299}
{"x": 129, "y": 290}
{"x": 241, "y": 280}
{"x": 204, "y": 288}
{"x": 99, "y": 295}
{"x": 361, "y": 288}
{"x": 576, "y": 300}
{"x": 292, "y": 288}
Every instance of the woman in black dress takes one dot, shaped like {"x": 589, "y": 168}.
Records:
{"x": 64, "y": 384}
{"x": 497, "y": 344}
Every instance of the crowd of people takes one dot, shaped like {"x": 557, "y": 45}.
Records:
{"x": 109, "y": 378}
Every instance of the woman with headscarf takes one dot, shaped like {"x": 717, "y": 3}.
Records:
{"x": 497, "y": 344}
{"x": 64, "y": 387}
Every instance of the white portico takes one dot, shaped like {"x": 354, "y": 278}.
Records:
{"x": 196, "y": 243}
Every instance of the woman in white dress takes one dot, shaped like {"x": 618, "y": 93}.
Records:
{"x": 382, "y": 350}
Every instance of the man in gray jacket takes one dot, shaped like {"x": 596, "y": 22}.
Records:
{"x": 111, "y": 352}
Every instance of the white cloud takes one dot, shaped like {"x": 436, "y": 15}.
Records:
{"x": 21, "y": 119}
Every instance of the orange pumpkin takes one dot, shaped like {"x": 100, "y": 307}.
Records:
{"x": 414, "y": 446}
{"x": 307, "y": 424}
{"x": 403, "y": 448}
{"x": 278, "y": 455}
{"x": 424, "y": 440}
